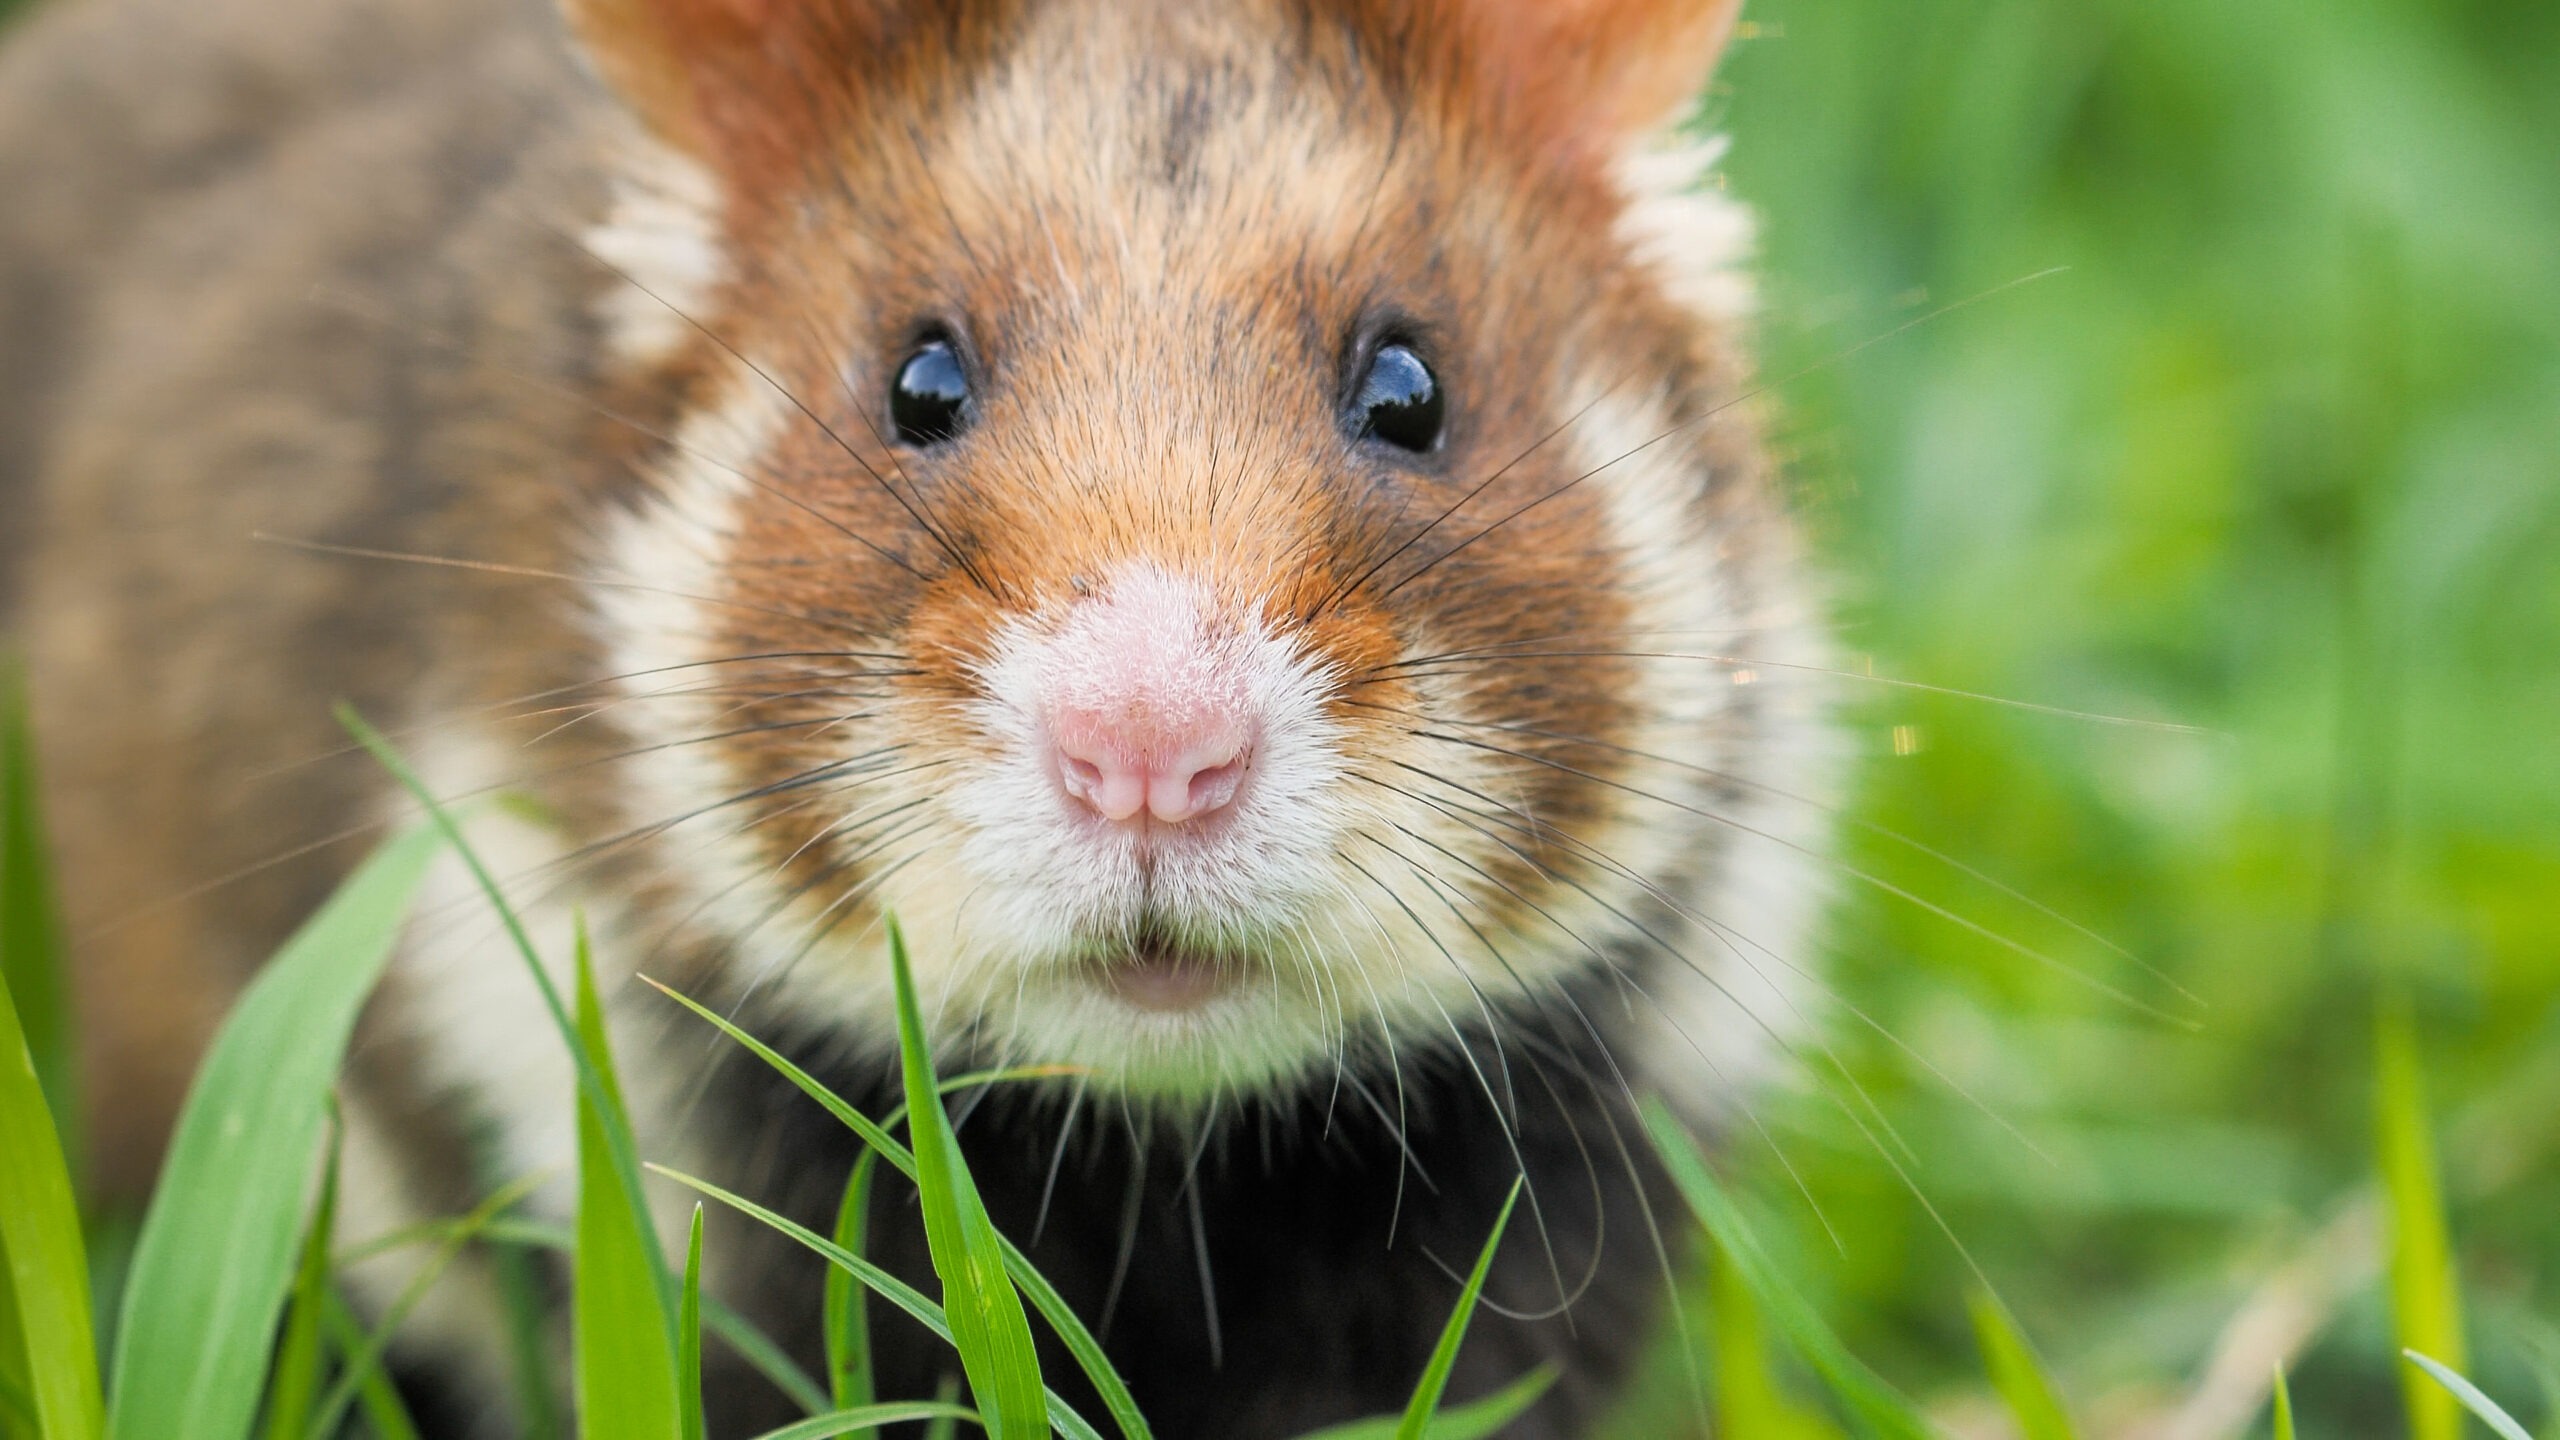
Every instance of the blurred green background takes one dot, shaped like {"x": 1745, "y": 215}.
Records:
{"x": 2276, "y": 455}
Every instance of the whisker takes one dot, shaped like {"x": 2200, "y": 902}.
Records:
{"x": 572, "y": 394}
{"x": 1882, "y": 831}
{"x": 1712, "y": 412}
{"x": 1058, "y": 1159}
{"x": 530, "y": 572}
{"x": 507, "y": 708}
{"x": 1444, "y": 665}
{"x": 1726, "y": 935}
{"x": 1863, "y": 876}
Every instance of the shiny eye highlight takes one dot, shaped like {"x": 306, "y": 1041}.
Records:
{"x": 929, "y": 401}
{"x": 1399, "y": 401}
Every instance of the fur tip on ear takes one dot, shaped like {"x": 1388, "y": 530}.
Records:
{"x": 1614, "y": 67}
{"x": 701, "y": 74}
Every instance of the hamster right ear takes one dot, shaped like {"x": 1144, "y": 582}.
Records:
{"x": 731, "y": 82}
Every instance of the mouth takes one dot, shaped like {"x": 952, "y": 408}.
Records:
{"x": 1166, "y": 977}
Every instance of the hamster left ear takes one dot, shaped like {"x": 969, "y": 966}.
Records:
{"x": 732, "y": 82}
{"x": 1610, "y": 67}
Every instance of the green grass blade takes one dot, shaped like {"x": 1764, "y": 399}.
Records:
{"x": 2491, "y": 1413}
{"x": 1062, "y": 1418}
{"x": 860, "y": 1419}
{"x": 1044, "y": 1297}
{"x": 17, "y": 1407}
{"x": 1444, "y": 1355}
{"x": 295, "y": 1383}
{"x": 2284, "y": 1407}
{"x": 384, "y": 1410}
{"x": 52, "y": 1358}
{"x": 216, "y": 1253}
{"x": 2016, "y": 1373}
{"x": 364, "y": 1364}
{"x": 30, "y": 931}
{"x": 1879, "y": 1408}
{"x": 988, "y": 1325}
{"x": 848, "y": 1328}
{"x": 897, "y": 1292}
{"x": 689, "y": 1335}
{"x": 1749, "y": 1398}
{"x": 528, "y": 1321}
{"x": 528, "y": 1325}
{"x": 592, "y": 1089}
{"x": 944, "y": 1427}
{"x": 1471, "y": 1421}
{"x": 623, "y": 1337}
{"x": 2426, "y": 1305}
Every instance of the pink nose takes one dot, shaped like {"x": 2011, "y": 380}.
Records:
{"x": 1174, "y": 778}
{"x": 1146, "y": 706}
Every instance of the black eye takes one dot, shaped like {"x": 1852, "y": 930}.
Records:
{"x": 929, "y": 403}
{"x": 1399, "y": 401}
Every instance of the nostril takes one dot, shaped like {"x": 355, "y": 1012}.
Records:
{"x": 1083, "y": 776}
{"x": 1212, "y": 788}
{"x": 1114, "y": 790}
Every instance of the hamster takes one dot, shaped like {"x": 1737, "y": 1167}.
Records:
{"x": 1241, "y": 525}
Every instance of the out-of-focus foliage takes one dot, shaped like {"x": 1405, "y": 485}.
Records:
{"x": 2276, "y": 455}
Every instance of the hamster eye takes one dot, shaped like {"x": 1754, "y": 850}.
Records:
{"x": 929, "y": 402}
{"x": 1399, "y": 401}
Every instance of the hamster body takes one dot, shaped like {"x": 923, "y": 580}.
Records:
{"x": 1239, "y": 525}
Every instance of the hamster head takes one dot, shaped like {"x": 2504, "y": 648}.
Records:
{"x": 1209, "y": 515}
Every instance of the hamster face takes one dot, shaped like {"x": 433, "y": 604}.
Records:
{"x": 1225, "y": 533}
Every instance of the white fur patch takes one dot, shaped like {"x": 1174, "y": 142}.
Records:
{"x": 1679, "y": 221}
{"x": 1738, "y": 992}
{"x": 661, "y": 233}
{"x": 486, "y": 1043}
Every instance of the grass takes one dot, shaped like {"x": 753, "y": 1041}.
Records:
{"x": 227, "y": 1316}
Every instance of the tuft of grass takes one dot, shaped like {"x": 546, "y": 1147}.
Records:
{"x": 1422, "y": 1418}
{"x": 1472, "y": 1421}
{"x": 1879, "y": 1408}
{"x": 294, "y": 1387}
{"x": 1062, "y": 1418}
{"x": 1044, "y": 1297}
{"x": 942, "y": 1414}
{"x": 48, "y": 1368}
{"x": 383, "y": 1408}
{"x": 624, "y": 1338}
{"x": 48, "y": 1363}
{"x": 215, "y": 1258}
{"x": 846, "y": 1325}
{"x": 2022, "y": 1380}
{"x": 1444, "y": 1355}
{"x": 1749, "y": 1400}
{"x": 987, "y": 1320}
{"x": 2426, "y": 1303}
{"x": 30, "y": 931}
{"x": 689, "y": 1415}
{"x": 361, "y": 1377}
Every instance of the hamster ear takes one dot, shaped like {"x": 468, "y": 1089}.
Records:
{"x": 713, "y": 77}
{"x": 1614, "y": 67}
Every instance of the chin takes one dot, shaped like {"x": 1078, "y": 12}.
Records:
{"x": 1159, "y": 1031}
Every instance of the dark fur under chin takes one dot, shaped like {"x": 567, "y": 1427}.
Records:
{"x": 1334, "y": 1259}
